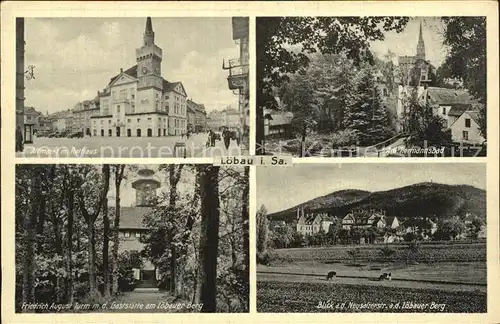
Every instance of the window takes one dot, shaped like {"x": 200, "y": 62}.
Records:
{"x": 138, "y": 119}
{"x": 128, "y": 120}
{"x": 467, "y": 122}
{"x": 118, "y": 109}
{"x": 123, "y": 94}
{"x": 149, "y": 118}
{"x": 157, "y": 104}
{"x": 127, "y": 234}
{"x": 444, "y": 111}
{"x": 95, "y": 121}
{"x": 137, "y": 234}
{"x": 465, "y": 135}
{"x": 157, "y": 96}
{"x": 95, "y": 132}
{"x": 133, "y": 97}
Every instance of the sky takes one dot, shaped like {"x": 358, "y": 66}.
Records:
{"x": 282, "y": 188}
{"x": 76, "y": 57}
{"x": 405, "y": 43}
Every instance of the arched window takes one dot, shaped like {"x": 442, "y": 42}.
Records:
{"x": 138, "y": 132}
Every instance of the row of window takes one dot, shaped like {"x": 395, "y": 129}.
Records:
{"x": 130, "y": 234}
{"x": 138, "y": 132}
{"x": 129, "y": 120}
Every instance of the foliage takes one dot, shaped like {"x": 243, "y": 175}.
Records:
{"x": 284, "y": 46}
{"x": 262, "y": 229}
{"x": 387, "y": 253}
{"x": 465, "y": 38}
{"x": 366, "y": 114}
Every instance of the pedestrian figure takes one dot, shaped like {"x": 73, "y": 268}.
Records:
{"x": 211, "y": 137}
{"x": 238, "y": 136}
{"x": 226, "y": 135}
{"x": 19, "y": 140}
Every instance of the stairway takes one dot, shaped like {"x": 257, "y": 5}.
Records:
{"x": 146, "y": 284}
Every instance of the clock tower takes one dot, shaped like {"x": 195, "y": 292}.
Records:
{"x": 149, "y": 57}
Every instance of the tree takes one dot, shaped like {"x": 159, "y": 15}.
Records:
{"x": 90, "y": 216}
{"x": 283, "y": 45}
{"x": 174, "y": 172}
{"x": 118, "y": 174}
{"x": 334, "y": 231}
{"x": 474, "y": 227}
{"x": 452, "y": 228}
{"x": 366, "y": 115}
{"x": 262, "y": 229}
{"x": 426, "y": 129}
{"x": 465, "y": 38}
{"x": 206, "y": 291}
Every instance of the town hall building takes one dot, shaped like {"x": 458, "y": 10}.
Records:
{"x": 139, "y": 102}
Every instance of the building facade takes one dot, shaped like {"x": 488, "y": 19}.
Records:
{"x": 63, "y": 121}
{"x": 200, "y": 116}
{"x": 146, "y": 184}
{"x": 139, "y": 102}
{"x": 465, "y": 129}
{"x": 83, "y": 113}
{"x": 313, "y": 223}
{"x": 238, "y": 70}
{"x": 216, "y": 120}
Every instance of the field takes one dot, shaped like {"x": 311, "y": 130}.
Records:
{"x": 295, "y": 281}
{"x": 274, "y": 297}
{"x": 428, "y": 253}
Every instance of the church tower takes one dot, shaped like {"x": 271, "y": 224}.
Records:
{"x": 145, "y": 187}
{"x": 149, "y": 57}
{"x": 420, "y": 45}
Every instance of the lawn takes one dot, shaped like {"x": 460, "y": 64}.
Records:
{"x": 279, "y": 297}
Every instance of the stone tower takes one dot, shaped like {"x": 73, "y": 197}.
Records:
{"x": 145, "y": 187}
{"x": 420, "y": 45}
{"x": 149, "y": 57}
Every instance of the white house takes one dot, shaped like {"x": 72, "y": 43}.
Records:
{"x": 466, "y": 128}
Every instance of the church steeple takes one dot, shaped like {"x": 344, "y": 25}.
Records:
{"x": 420, "y": 45}
{"x": 149, "y": 35}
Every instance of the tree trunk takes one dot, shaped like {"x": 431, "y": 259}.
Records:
{"x": 105, "y": 250}
{"x": 28, "y": 293}
{"x": 94, "y": 293}
{"x": 119, "y": 169}
{"x": 209, "y": 239}
{"x": 69, "y": 252}
{"x": 303, "y": 141}
{"x": 174, "y": 178}
{"x": 260, "y": 132}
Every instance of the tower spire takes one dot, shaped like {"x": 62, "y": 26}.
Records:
{"x": 149, "y": 25}
{"x": 149, "y": 35}
{"x": 420, "y": 44}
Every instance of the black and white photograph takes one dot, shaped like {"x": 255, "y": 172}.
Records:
{"x": 372, "y": 237}
{"x": 92, "y": 238}
{"x": 132, "y": 87}
{"x": 371, "y": 86}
